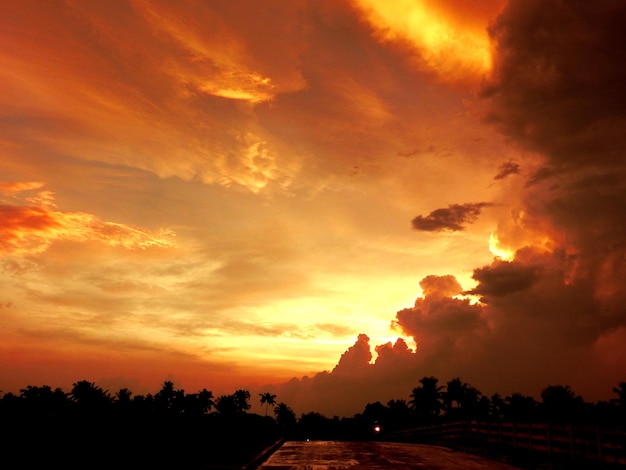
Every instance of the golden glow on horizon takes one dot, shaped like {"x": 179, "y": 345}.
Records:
{"x": 453, "y": 51}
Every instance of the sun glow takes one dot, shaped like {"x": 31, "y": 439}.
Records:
{"x": 454, "y": 51}
{"x": 499, "y": 251}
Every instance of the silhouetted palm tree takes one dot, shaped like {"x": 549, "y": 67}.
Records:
{"x": 284, "y": 415}
{"x": 164, "y": 398}
{"x": 496, "y": 407}
{"x": 205, "y": 399}
{"x": 268, "y": 399}
{"x": 426, "y": 400}
{"x": 88, "y": 397}
{"x": 123, "y": 396}
{"x": 123, "y": 400}
{"x": 241, "y": 400}
{"x": 620, "y": 390}
{"x": 198, "y": 403}
{"x": 227, "y": 405}
{"x": 519, "y": 407}
{"x": 468, "y": 400}
{"x": 399, "y": 412}
{"x": 169, "y": 400}
{"x": 560, "y": 403}
{"x": 43, "y": 400}
{"x": 398, "y": 407}
{"x": 454, "y": 393}
{"x": 376, "y": 413}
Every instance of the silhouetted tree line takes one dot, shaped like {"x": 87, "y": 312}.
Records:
{"x": 88, "y": 399}
{"x": 432, "y": 403}
{"x": 42, "y": 425}
{"x": 91, "y": 427}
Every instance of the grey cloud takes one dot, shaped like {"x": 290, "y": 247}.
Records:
{"x": 560, "y": 81}
{"x": 452, "y": 218}
{"x": 559, "y": 90}
{"x": 543, "y": 173}
{"x": 503, "y": 277}
{"x": 506, "y": 169}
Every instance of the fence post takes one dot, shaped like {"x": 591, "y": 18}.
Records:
{"x": 599, "y": 443}
{"x": 514, "y": 435}
{"x": 571, "y": 443}
{"x": 549, "y": 436}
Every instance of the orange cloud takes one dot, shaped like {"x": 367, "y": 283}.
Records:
{"x": 217, "y": 65}
{"x": 9, "y": 187}
{"x": 150, "y": 85}
{"x": 447, "y": 40}
{"x": 26, "y": 229}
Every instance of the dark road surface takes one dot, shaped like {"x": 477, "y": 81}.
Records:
{"x": 335, "y": 455}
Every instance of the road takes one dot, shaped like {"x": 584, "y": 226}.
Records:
{"x": 335, "y": 455}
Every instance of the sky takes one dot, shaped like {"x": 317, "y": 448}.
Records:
{"x": 323, "y": 199}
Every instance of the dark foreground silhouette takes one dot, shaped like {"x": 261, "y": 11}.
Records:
{"x": 114, "y": 442}
{"x": 90, "y": 428}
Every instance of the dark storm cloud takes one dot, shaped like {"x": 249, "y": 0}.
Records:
{"x": 560, "y": 79}
{"x": 439, "y": 323}
{"x": 502, "y": 278}
{"x": 452, "y": 218}
{"x": 392, "y": 355}
{"x": 543, "y": 173}
{"x": 506, "y": 169}
{"x": 559, "y": 89}
{"x": 556, "y": 313}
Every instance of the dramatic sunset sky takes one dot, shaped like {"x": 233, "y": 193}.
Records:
{"x": 326, "y": 199}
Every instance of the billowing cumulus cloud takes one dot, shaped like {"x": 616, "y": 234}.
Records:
{"x": 452, "y": 218}
{"x": 355, "y": 380}
{"x": 440, "y": 286}
{"x": 502, "y": 278}
{"x": 553, "y": 313}
{"x": 356, "y": 358}
{"x": 440, "y": 324}
{"x": 558, "y": 90}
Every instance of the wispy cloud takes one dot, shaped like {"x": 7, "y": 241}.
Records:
{"x": 35, "y": 224}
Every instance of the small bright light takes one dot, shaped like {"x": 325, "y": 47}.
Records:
{"x": 376, "y": 428}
